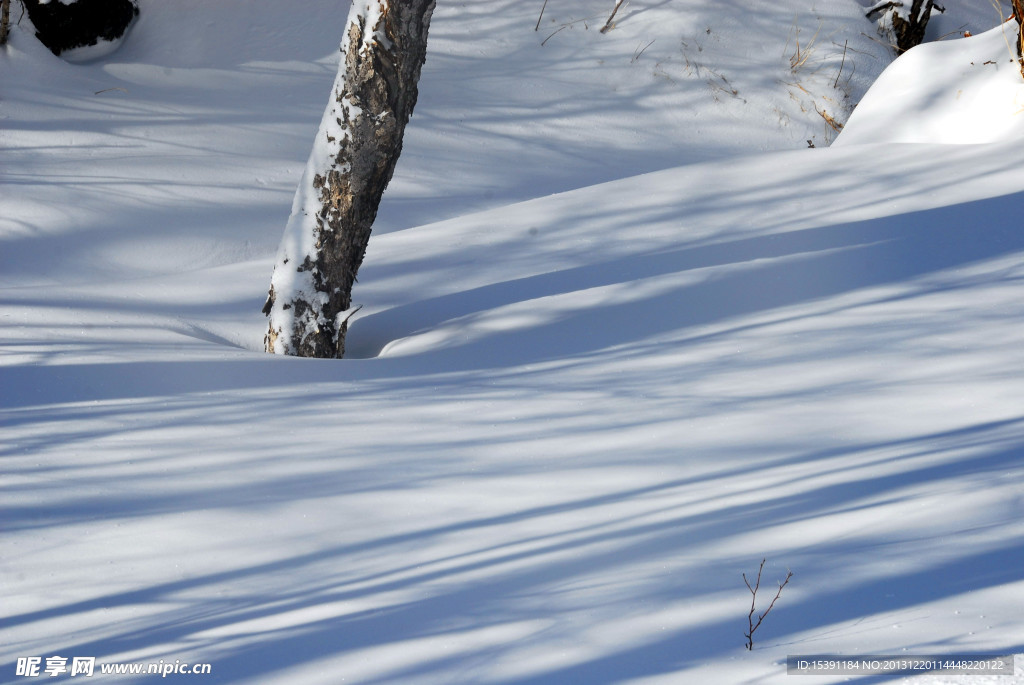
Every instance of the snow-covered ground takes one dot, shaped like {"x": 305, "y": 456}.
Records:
{"x": 623, "y": 336}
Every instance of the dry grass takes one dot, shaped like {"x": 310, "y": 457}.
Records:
{"x": 802, "y": 53}
{"x": 829, "y": 119}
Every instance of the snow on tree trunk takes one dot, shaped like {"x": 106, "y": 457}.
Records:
{"x": 352, "y": 161}
{"x": 909, "y": 32}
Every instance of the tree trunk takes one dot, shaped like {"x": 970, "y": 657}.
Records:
{"x": 353, "y": 159}
{"x": 5, "y": 20}
{"x": 1018, "y": 14}
{"x": 910, "y": 31}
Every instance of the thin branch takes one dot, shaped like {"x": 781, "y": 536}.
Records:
{"x": 880, "y": 42}
{"x": 561, "y": 28}
{"x": 835, "y": 84}
{"x": 537, "y": 27}
{"x": 608, "y": 25}
{"x": 753, "y": 599}
{"x": 636, "y": 55}
{"x": 752, "y": 626}
{"x": 855, "y": 50}
{"x": 789, "y": 574}
{"x": 567, "y": 25}
{"x": 350, "y": 315}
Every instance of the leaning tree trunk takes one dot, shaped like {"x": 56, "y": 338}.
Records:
{"x": 353, "y": 159}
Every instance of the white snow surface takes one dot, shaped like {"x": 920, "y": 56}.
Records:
{"x": 623, "y": 336}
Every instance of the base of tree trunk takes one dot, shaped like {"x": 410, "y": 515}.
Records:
{"x": 909, "y": 32}
{"x": 353, "y": 159}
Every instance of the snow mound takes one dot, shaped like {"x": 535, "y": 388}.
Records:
{"x": 956, "y": 92}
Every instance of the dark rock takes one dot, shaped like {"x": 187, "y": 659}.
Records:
{"x": 62, "y": 27}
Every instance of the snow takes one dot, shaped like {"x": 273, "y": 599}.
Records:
{"x": 969, "y": 91}
{"x": 623, "y": 336}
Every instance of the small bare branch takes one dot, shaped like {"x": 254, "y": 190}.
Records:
{"x": 751, "y": 623}
{"x": 560, "y": 28}
{"x": 609, "y": 25}
{"x": 537, "y": 27}
{"x": 639, "y": 51}
{"x": 842, "y": 64}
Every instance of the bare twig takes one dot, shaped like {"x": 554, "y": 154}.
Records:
{"x": 569, "y": 25}
{"x": 829, "y": 119}
{"x": 608, "y": 25}
{"x": 959, "y": 33}
{"x": 560, "y": 28}
{"x": 880, "y": 42}
{"x": 835, "y": 84}
{"x": 351, "y": 314}
{"x": 753, "y": 626}
{"x": 107, "y": 90}
{"x": 537, "y": 27}
{"x": 855, "y": 50}
{"x": 640, "y": 51}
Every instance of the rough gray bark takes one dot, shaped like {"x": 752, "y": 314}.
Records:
{"x": 910, "y": 31}
{"x": 351, "y": 165}
{"x": 905, "y": 32}
{"x": 5, "y": 20}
